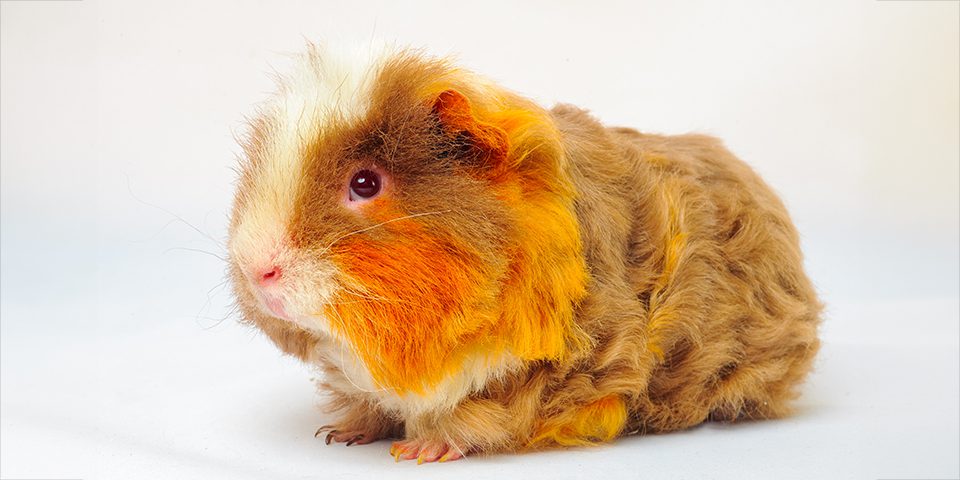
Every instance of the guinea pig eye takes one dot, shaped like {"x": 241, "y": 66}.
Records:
{"x": 365, "y": 184}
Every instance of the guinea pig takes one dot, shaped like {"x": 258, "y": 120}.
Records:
{"x": 472, "y": 273}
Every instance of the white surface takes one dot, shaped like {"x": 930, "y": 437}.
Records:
{"x": 112, "y": 362}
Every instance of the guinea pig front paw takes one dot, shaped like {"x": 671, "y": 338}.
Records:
{"x": 425, "y": 451}
{"x": 348, "y": 436}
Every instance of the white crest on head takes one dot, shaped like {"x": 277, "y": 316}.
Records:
{"x": 322, "y": 87}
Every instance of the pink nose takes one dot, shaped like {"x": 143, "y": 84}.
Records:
{"x": 269, "y": 276}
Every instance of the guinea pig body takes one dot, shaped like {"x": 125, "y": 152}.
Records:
{"x": 473, "y": 273}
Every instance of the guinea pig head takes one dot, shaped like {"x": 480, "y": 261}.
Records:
{"x": 412, "y": 211}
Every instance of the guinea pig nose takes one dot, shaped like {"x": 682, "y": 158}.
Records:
{"x": 269, "y": 276}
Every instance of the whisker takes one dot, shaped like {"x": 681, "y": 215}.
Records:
{"x": 207, "y": 302}
{"x": 197, "y": 250}
{"x": 405, "y": 217}
{"x": 158, "y": 232}
{"x": 347, "y": 375}
{"x": 224, "y": 282}
{"x": 343, "y": 368}
{"x": 168, "y": 212}
{"x": 369, "y": 297}
{"x": 233, "y": 310}
{"x": 330, "y": 304}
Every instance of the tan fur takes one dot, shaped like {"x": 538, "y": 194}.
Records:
{"x": 696, "y": 305}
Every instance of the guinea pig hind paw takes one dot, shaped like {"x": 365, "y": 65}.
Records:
{"x": 424, "y": 451}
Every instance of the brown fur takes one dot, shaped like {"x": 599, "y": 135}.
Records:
{"x": 735, "y": 317}
{"x": 697, "y": 305}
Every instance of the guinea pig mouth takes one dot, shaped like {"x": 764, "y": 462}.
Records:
{"x": 276, "y": 305}
{"x": 273, "y": 306}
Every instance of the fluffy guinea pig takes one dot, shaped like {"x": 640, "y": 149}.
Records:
{"x": 473, "y": 273}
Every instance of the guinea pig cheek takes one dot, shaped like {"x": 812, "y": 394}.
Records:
{"x": 408, "y": 304}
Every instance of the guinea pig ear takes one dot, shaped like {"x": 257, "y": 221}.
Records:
{"x": 469, "y": 138}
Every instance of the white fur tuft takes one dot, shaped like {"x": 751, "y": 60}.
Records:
{"x": 323, "y": 87}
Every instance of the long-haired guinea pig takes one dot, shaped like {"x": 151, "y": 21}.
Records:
{"x": 473, "y": 273}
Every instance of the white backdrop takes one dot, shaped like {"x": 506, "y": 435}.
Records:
{"x": 118, "y": 117}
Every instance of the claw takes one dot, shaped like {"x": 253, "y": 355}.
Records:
{"x": 330, "y": 436}
{"x": 355, "y": 440}
{"x": 321, "y": 429}
{"x": 395, "y": 453}
{"x": 450, "y": 456}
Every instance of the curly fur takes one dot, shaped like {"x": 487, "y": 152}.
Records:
{"x": 527, "y": 278}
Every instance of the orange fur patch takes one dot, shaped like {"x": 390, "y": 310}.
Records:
{"x": 549, "y": 274}
{"x": 544, "y": 328}
{"x": 599, "y": 421}
{"x": 414, "y": 302}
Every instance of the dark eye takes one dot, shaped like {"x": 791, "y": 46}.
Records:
{"x": 364, "y": 184}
